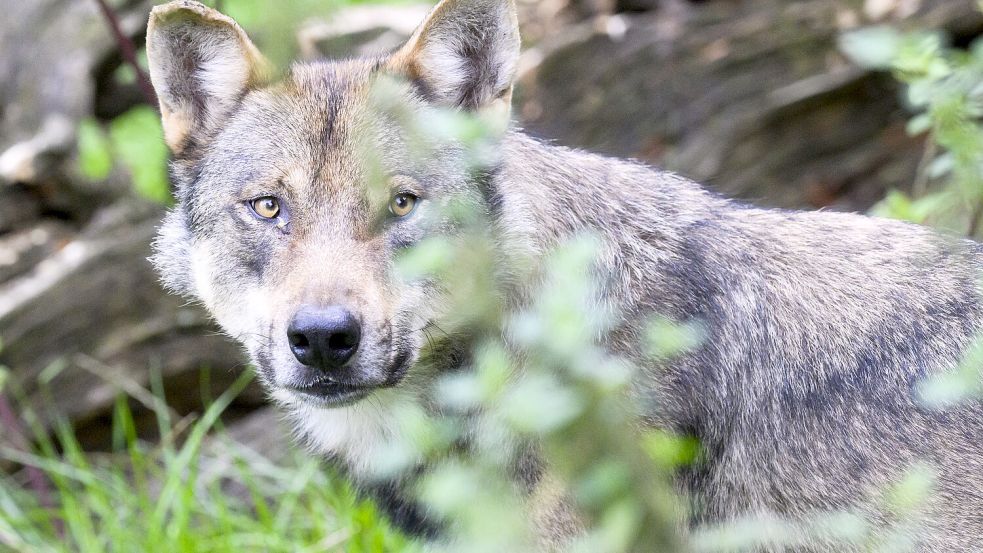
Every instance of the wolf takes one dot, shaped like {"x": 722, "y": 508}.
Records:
{"x": 819, "y": 326}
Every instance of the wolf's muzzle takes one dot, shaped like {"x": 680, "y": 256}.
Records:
{"x": 324, "y": 338}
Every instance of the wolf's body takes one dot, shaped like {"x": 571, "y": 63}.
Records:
{"x": 820, "y": 326}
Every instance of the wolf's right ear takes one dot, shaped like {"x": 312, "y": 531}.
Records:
{"x": 201, "y": 63}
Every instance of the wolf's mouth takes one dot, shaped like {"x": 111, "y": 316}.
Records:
{"x": 329, "y": 392}
{"x": 332, "y": 394}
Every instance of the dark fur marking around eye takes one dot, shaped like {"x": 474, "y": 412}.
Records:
{"x": 402, "y": 242}
{"x": 256, "y": 247}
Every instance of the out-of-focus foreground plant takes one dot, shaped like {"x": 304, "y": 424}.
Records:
{"x": 945, "y": 92}
{"x": 539, "y": 389}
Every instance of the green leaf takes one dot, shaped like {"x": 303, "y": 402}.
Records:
{"x": 670, "y": 451}
{"x": 668, "y": 339}
{"x": 921, "y": 56}
{"x": 138, "y": 140}
{"x": 540, "y": 404}
{"x": 125, "y": 74}
{"x": 897, "y": 205}
{"x": 95, "y": 153}
{"x": 920, "y": 124}
{"x": 872, "y": 47}
{"x": 920, "y": 93}
{"x": 913, "y": 490}
{"x": 941, "y": 166}
{"x": 428, "y": 258}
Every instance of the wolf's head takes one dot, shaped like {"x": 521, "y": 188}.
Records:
{"x": 279, "y": 229}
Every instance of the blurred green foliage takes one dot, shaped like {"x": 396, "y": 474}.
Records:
{"x": 134, "y": 141}
{"x": 94, "y": 151}
{"x": 138, "y": 142}
{"x": 944, "y": 91}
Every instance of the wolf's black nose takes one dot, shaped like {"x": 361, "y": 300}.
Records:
{"x": 324, "y": 338}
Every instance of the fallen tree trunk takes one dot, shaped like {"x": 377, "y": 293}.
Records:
{"x": 90, "y": 320}
{"x": 753, "y": 97}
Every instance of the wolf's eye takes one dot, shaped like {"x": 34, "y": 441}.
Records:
{"x": 403, "y": 204}
{"x": 266, "y": 207}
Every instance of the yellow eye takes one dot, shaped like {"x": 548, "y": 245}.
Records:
{"x": 266, "y": 207}
{"x": 403, "y": 204}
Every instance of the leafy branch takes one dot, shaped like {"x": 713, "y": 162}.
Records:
{"x": 128, "y": 50}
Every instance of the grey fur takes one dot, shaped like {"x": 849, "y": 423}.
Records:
{"x": 820, "y": 325}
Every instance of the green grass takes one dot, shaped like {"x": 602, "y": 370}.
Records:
{"x": 196, "y": 490}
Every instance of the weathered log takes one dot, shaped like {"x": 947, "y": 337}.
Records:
{"x": 751, "y": 97}
{"x": 360, "y": 31}
{"x": 95, "y": 301}
{"x": 21, "y": 251}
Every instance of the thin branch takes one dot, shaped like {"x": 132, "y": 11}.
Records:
{"x": 128, "y": 50}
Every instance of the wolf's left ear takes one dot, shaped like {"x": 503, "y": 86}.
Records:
{"x": 201, "y": 63}
{"x": 465, "y": 54}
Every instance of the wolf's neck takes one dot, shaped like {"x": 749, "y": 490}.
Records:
{"x": 648, "y": 222}
{"x": 548, "y": 194}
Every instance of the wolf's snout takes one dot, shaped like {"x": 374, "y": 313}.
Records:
{"x": 324, "y": 338}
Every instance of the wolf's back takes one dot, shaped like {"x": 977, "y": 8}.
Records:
{"x": 821, "y": 332}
